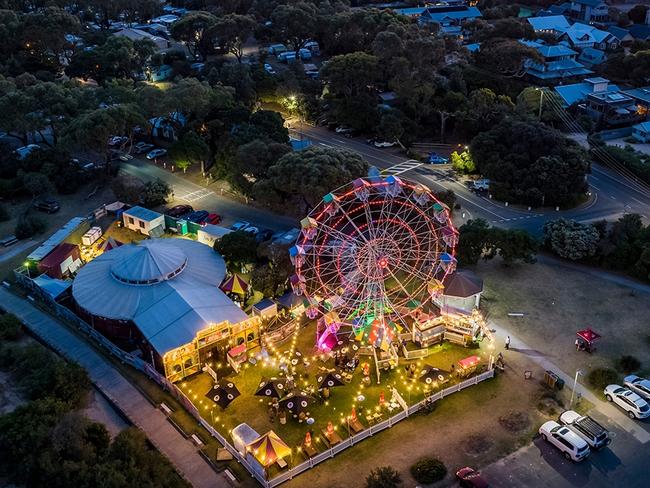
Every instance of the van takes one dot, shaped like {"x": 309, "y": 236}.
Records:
{"x": 277, "y": 49}
{"x": 287, "y": 57}
{"x": 305, "y": 54}
{"x": 313, "y": 47}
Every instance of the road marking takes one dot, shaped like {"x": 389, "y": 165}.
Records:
{"x": 194, "y": 196}
{"x": 323, "y": 144}
{"x": 403, "y": 167}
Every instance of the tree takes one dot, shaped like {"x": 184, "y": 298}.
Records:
{"x": 390, "y": 127}
{"x": 196, "y": 30}
{"x": 37, "y": 184}
{"x": 298, "y": 180}
{"x": 637, "y": 14}
{"x": 483, "y": 110}
{"x": 188, "y": 150}
{"x": 463, "y": 162}
{"x": 570, "y": 239}
{"x": 428, "y": 470}
{"x": 384, "y": 477}
{"x": 530, "y": 163}
{"x": 237, "y": 248}
{"x": 529, "y": 99}
{"x": 505, "y": 56}
{"x": 294, "y": 23}
{"x": 44, "y": 34}
{"x": 232, "y": 31}
{"x": 474, "y": 242}
{"x": 515, "y": 245}
{"x": 633, "y": 67}
{"x": 252, "y": 161}
{"x": 195, "y": 99}
{"x": 128, "y": 189}
{"x": 11, "y": 327}
{"x": 156, "y": 193}
{"x": 446, "y": 106}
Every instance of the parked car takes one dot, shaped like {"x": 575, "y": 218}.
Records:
{"x": 470, "y": 478}
{"x": 478, "y": 186}
{"x": 277, "y": 49}
{"x": 239, "y": 225}
{"x": 179, "y": 211}
{"x": 252, "y": 230}
{"x": 435, "y": 158}
{"x": 568, "y": 442}
{"x": 214, "y": 218}
{"x": 156, "y": 153}
{"x": 384, "y": 143}
{"x": 591, "y": 431}
{"x": 81, "y": 164}
{"x": 264, "y": 235}
{"x": 269, "y": 69}
{"x": 635, "y": 406}
{"x": 47, "y": 205}
{"x": 117, "y": 140}
{"x": 638, "y": 385}
{"x": 198, "y": 216}
{"x": 341, "y": 129}
{"x": 24, "y": 151}
{"x": 142, "y": 147}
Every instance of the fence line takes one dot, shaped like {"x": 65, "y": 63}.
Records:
{"x": 167, "y": 385}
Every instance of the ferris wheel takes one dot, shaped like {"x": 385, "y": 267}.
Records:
{"x": 371, "y": 255}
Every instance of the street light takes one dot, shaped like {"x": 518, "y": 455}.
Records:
{"x": 541, "y": 100}
{"x": 575, "y": 383}
{"x": 27, "y": 263}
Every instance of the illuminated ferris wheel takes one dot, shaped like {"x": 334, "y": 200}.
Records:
{"x": 371, "y": 255}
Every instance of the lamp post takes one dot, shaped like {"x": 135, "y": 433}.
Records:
{"x": 541, "y": 101}
{"x": 27, "y": 263}
{"x": 575, "y": 383}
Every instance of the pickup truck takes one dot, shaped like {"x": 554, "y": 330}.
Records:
{"x": 591, "y": 431}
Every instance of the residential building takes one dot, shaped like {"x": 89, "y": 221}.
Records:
{"x": 581, "y": 36}
{"x": 623, "y": 35}
{"x": 589, "y": 11}
{"x": 640, "y": 32}
{"x": 591, "y": 57}
{"x": 551, "y": 24}
{"x": 578, "y": 92}
{"x": 611, "y": 109}
{"x": 559, "y": 63}
{"x": 145, "y": 221}
{"x": 140, "y": 35}
{"x": 451, "y": 17}
{"x": 641, "y": 132}
{"x": 167, "y": 127}
{"x": 641, "y": 97}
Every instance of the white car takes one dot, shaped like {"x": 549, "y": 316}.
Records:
{"x": 23, "y": 152}
{"x": 638, "y": 385}
{"x": 156, "y": 153}
{"x": 252, "y": 230}
{"x": 568, "y": 442}
{"x": 240, "y": 225}
{"x": 635, "y": 406}
{"x": 384, "y": 144}
{"x": 269, "y": 69}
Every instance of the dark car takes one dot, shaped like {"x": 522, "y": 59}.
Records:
{"x": 47, "y": 205}
{"x": 179, "y": 211}
{"x": 198, "y": 217}
{"x": 264, "y": 235}
{"x": 470, "y": 478}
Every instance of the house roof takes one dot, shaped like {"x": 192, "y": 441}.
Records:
{"x": 142, "y": 213}
{"x": 57, "y": 238}
{"x": 462, "y": 284}
{"x": 640, "y": 31}
{"x": 447, "y": 14}
{"x": 60, "y": 253}
{"x": 550, "y": 22}
{"x": 410, "y": 11}
{"x": 549, "y": 51}
{"x": 643, "y": 127}
{"x": 577, "y": 92}
{"x": 182, "y": 297}
{"x": 579, "y": 33}
{"x": 589, "y": 3}
{"x": 642, "y": 93}
{"x": 591, "y": 56}
{"x": 618, "y": 32}
{"x": 52, "y": 286}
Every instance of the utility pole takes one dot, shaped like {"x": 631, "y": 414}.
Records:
{"x": 541, "y": 102}
{"x": 575, "y": 383}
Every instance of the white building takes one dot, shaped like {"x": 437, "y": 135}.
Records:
{"x": 143, "y": 220}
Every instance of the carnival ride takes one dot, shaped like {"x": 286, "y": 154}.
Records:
{"x": 370, "y": 257}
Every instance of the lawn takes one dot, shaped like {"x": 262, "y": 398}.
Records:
{"x": 254, "y": 410}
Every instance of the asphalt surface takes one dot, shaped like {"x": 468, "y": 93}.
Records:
{"x": 611, "y": 195}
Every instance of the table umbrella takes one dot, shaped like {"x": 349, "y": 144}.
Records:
{"x": 268, "y": 448}
{"x": 223, "y": 394}
{"x": 330, "y": 380}
{"x": 271, "y": 387}
{"x": 297, "y": 401}
{"x": 430, "y": 375}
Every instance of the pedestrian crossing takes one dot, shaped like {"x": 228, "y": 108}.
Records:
{"x": 193, "y": 196}
{"x": 402, "y": 167}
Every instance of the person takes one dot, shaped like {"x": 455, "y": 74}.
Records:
{"x": 508, "y": 342}
{"x": 577, "y": 344}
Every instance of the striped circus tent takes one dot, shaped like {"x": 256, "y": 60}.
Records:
{"x": 234, "y": 284}
{"x": 268, "y": 448}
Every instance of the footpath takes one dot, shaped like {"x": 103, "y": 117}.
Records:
{"x": 180, "y": 451}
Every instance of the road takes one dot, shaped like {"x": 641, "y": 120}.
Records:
{"x": 202, "y": 197}
{"x": 611, "y": 196}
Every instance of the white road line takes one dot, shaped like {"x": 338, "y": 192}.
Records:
{"x": 323, "y": 144}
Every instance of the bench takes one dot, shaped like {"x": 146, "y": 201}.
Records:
{"x": 230, "y": 477}
{"x": 165, "y": 408}
{"x": 197, "y": 440}
{"x": 281, "y": 463}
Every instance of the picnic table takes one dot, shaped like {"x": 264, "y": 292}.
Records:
{"x": 356, "y": 426}
{"x": 309, "y": 450}
{"x": 332, "y": 437}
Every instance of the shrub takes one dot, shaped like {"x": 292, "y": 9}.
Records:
{"x": 599, "y": 378}
{"x": 4, "y": 213}
{"x": 428, "y": 470}
{"x": 10, "y": 327}
{"x": 629, "y": 364}
{"x": 384, "y": 477}
{"x": 29, "y": 225}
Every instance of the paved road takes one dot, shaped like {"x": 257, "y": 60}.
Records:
{"x": 180, "y": 451}
{"x": 201, "y": 197}
{"x": 612, "y": 195}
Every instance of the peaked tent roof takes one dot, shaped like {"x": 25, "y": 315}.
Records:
{"x": 235, "y": 284}
{"x": 462, "y": 284}
{"x": 268, "y": 448}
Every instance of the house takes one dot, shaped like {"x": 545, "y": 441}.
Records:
{"x": 450, "y": 17}
{"x": 562, "y": 9}
{"x": 640, "y": 32}
{"x": 166, "y": 127}
{"x": 623, "y": 35}
{"x": 611, "y": 109}
{"x": 140, "y": 35}
{"x": 591, "y": 57}
{"x": 589, "y": 11}
{"x": 641, "y": 97}
{"x": 145, "y": 221}
{"x": 578, "y": 92}
{"x": 581, "y": 36}
{"x": 165, "y": 20}
{"x": 552, "y": 24}
{"x": 161, "y": 73}
{"x": 559, "y": 62}
{"x": 641, "y": 132}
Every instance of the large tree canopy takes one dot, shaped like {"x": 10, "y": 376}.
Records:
{"x": 528, "y": 162}
{"x": 298, "y": 180}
